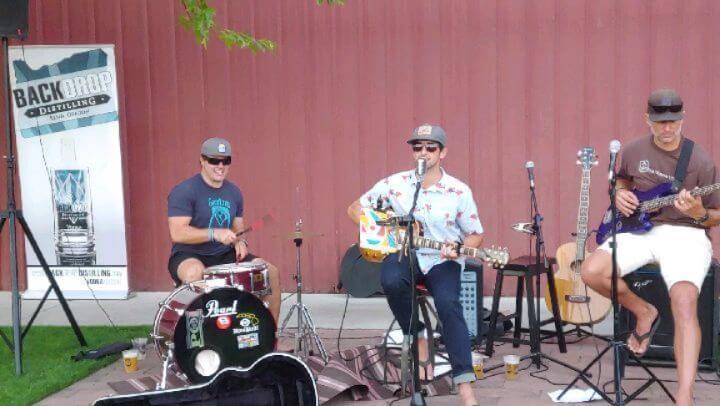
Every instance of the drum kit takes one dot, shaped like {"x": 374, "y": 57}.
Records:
{"x": 220, "y": 321}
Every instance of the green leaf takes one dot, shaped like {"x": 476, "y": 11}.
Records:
{"x": 200, "y": 19}
{"x": 233, "y": 38}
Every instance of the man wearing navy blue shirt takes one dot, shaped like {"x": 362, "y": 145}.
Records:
{"x": 205, "y": 213}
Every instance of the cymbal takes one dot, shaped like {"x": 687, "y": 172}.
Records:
{"x": 299, "y": 234}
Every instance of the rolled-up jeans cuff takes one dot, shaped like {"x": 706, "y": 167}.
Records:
{"x": 464, "y": 377}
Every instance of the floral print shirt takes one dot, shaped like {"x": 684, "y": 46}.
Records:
{"x": 446, "y": 210}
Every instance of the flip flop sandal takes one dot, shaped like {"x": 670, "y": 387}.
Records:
{"x": 647, "y": 336}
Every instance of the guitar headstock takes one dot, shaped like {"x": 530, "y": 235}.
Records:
{"x": 496, "y": 257}
{"x": 587, "y": 157}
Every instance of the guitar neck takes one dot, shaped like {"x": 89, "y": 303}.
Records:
{"x": 421, "y": 242}
{"x": 582, "y": 222}
{"x": 667, "y": 201}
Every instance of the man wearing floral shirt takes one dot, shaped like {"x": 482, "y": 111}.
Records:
{"x": 446, "y": 212}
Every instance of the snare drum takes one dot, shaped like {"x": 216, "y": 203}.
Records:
{"x": 208, "y": 330}
{"x": 248, "y": 276}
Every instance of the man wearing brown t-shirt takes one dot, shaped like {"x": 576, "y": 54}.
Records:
{"x": 678, "y": 241}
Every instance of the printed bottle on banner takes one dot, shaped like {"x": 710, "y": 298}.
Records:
{"x": 72, "y": 208}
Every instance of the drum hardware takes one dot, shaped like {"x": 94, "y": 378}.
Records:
{"x": 167, "y": 359}
{"x": 306, "y": 333}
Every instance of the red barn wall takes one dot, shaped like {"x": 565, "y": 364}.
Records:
{"x": 317, "y": 122}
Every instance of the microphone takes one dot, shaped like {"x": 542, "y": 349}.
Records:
{"x": 614, "y": 149}
{"x": 421, "y": 168}
{"x": 530, "y": 166}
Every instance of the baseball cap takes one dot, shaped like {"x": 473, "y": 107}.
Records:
{"x": 427, "y": 132}
{"x": 216, "y": 147}
{"x": 665, "y": 105}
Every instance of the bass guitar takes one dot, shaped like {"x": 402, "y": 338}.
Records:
{"x": 651, "y": 201}
{"x": 577, "y": 302}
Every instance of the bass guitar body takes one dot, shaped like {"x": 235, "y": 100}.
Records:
{"x": 576, "y": 304}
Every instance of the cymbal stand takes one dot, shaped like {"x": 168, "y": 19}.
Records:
{"x": 306, "y": 333}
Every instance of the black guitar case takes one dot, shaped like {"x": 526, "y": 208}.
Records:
{"x": 359, "y": 277}
{"x": 275, "y": 379}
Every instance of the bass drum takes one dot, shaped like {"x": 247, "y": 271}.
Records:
{"x": 208, "y": 330}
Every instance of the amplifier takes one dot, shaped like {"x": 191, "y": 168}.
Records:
{"x": 647, "y": 283}
{"x": 471, "y": 296}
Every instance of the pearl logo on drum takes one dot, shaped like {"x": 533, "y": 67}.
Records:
{"x": 214, "y": 310}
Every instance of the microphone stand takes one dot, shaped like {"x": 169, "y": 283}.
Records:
{"x": 533, "y": 311}
{"x": 410, "y": 340}
{"x": 616, "y": 344}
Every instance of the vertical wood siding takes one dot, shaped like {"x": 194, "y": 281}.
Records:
{"x": 320, "y": 120}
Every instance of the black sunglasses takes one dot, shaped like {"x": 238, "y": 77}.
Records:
{"x": 662, "y": 109}
{"x": 217, "y": 161}
{"x": 428, "y": 148}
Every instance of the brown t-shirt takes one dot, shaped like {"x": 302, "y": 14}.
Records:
{"x": 646, "y": 165}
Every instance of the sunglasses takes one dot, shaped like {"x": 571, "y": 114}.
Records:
{"x": 662, "y": 109}
{"x": 217, "y": 161}
{"x": 428, "y": 148}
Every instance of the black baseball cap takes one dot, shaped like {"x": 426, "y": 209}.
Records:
{"x": 665, "y": 105}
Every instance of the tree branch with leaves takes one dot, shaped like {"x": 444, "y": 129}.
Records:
{"x": 200, "y": 19}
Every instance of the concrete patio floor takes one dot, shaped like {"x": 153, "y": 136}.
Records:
{"x": 366, "y": 319}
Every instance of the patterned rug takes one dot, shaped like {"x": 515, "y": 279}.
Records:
{"x": 359, "y": 372}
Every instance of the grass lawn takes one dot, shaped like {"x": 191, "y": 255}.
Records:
{"x": 47, "y": 367}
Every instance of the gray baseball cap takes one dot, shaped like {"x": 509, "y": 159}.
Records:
{"x": 216, "y": 147}
{"x": 665, "y": 105}
{"x": 427, "y": 132}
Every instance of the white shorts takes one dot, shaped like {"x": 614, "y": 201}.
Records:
{"x": 683, "y": 253}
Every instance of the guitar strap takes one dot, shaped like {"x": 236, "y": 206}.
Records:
{"x": 682, "y": 164}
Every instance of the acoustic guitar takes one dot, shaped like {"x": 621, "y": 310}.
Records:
{"x": 381, "y": 235}
{"x": 577, "y": 302}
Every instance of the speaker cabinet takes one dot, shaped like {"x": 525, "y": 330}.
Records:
{"x": 13, "y": 18}
{"x": 647, "y": 283}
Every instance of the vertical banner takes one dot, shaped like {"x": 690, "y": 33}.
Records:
{"x": 67, "y": 131}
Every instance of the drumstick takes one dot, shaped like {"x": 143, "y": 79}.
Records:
{"x": 256, "y": 225}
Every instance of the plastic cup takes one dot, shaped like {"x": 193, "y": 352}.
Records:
{"x": 477, "y": 363}
{"x": 140, "y": 344}
{"x": 130, "y": 358}
{"x": 512, "y": 362}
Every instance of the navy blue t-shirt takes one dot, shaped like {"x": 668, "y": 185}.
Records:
{"x": 208, "y": 207}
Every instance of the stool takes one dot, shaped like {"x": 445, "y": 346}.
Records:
{"x": 524, "y": 268}
{"x": 426, "y": 308}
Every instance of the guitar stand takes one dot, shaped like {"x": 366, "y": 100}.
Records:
{"x": 306, "y": 334}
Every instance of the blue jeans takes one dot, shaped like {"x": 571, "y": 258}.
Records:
{"x": 443, "y": 282}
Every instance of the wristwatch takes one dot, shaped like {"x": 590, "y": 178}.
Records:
{"x": 703, "y": 218}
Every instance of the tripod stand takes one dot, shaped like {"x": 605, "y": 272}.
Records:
{"x": 616, "y": 344}
{"x": 13, "y": 215}
{"x": 306, "y": 333}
